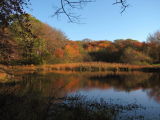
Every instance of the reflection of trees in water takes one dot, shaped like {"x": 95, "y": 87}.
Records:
{"x": 33, "y": 88}
{"x": 155, "y": 94}
{"x": 130, "y": 82}
{"x": 154, "y": 91}
{"x": 58, "y": 85}
{"x": 127, "y": 82}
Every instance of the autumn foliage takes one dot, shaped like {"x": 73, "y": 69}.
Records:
{"x": 47, "y": 45}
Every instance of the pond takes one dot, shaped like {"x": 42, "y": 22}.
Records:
{"x": 19, "y": 100}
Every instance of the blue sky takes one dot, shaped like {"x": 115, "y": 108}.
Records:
{"x": 102, "y": 20}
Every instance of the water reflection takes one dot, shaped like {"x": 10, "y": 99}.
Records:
{"x": 59, "y": 85}
{"x": 142, "y": 86}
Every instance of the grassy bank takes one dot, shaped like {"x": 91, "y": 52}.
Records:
{"x": 91, "y": 67}
{"x": 100, "y": 66}
{"x": 82, "y": 67}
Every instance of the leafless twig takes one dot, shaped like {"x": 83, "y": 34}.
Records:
{"x": 123, "y": 4}
{"x": 68, "y": 6}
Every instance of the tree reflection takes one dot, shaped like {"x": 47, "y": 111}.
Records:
{"x": 59, "y": 85}
{"x": 32, "y": 90}
{"x": 154, "y": 91}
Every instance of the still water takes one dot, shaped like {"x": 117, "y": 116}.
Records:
{"x": 117, "y": 88}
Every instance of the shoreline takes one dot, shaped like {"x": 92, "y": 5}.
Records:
{"x": 80, "y": 67}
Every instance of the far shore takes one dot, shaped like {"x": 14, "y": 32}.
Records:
{"x": 81, "y": 67}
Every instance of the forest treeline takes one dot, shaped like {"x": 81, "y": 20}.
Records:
{"x": 46, "y": 45}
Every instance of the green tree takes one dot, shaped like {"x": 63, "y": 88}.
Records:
{"x": 132, "y": 56}
{"x": 38, "y": 45}
{"x": 31, "y": 46}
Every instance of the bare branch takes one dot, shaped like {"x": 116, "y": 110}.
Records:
{"x": 123, "y": 4}
{"x": 67, "y": 8}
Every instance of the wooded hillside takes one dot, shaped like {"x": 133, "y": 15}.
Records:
{"x": 43, "y": 44}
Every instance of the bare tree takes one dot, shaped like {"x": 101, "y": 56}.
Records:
{"x": 154, "y": 38}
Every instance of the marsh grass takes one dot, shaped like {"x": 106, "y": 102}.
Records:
{"x": 79, "y": 67}
{"x": 90, "y": 66}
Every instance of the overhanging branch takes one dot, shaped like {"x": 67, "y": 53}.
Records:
{"x": 67, "y": 8}
{"x": 123, "y": 4}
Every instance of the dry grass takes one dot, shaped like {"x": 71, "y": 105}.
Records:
{"x": 96, "y": 66}
{"x": 84, "y": 67}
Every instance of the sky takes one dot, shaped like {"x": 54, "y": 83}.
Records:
{"x": 101, "y": 20}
